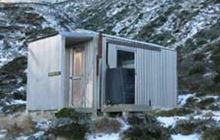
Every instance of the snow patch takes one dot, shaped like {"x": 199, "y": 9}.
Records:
{"x": 171, "y": 121}
{"x": 183, "y": 98}
{"x": 2, "y": 133}
{"x": 114, "y": 136}
{"x": 13, "y": 102}
{"x": 186, "y": 137}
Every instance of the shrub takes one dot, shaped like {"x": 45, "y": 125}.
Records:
{"x": 17, "y": 65}
{"x": 203, "y": 104}
{"x": 149, "y": 132}
{"x": 190, "y": 126}
{"x": 174, "y": 112}
{"x": 77, "y": 117}
{"x": 211, "y": 134}
{"x": 197, "y": 69}
{"x": 72, "y": 131}
{"x": 191, "y": 102}
{"x": 186, "y": 127}
{"x": 135, "y": 120}
{"x": 71, "y": 125}
{"x": 198, "y": 57}
{"x": 133, "y": 133}
{"x": 150, "y": 129}
{"x": 9, "y": 109}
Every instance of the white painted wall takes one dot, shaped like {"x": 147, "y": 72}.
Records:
{"x": 43, "y": 91}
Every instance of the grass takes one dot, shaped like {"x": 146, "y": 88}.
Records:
{"x": 18, "y": 124}
{"x": 107, "y": 125}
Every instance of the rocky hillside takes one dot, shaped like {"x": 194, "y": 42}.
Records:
{"x": 190, "y": 26}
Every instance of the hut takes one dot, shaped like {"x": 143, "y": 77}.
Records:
{"x": 92, "y": 72}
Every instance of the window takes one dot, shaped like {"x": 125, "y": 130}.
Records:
{"x": 125, "y": 59}
{"x": 78, "y": 62}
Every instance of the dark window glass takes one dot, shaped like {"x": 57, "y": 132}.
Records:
{"x": 125, "y": 59}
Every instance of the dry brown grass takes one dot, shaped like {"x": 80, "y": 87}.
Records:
{"x": 17, "y": 124}
{"x": 107, "y": 125}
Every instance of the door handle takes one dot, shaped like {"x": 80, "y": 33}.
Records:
{"x": 75, "y": 78}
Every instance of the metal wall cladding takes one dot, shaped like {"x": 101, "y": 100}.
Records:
{"x": 156, "y": 75}
{"x": 43, "y": 89}
{"x": 156, "y": 78}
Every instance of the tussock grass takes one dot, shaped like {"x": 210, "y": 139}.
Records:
{"x": 17, "y": 124}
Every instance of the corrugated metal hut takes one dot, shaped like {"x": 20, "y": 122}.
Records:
{"x": 92, "y": 71}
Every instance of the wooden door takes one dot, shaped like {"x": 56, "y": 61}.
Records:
{"x": 78, "y": 77}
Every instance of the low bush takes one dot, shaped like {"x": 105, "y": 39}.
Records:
{"x": 150, "y": 130}
{"x": 186, "y": 127}
{"x": 191, "y": 126}
{"x": 70, "y": 124}
{"x": 135, "y": 120}
{"x": 211, "y": 134}
{"x": 72, "y": 131}
{"x": 191, "y": 102}
{"x": 205, "y": 103}
{"x": 174, "y": 112}
{"x": 9, "y": 109}
{"x": 77, "y": 117}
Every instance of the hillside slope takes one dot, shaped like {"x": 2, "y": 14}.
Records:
{"x": 191, "y": 26}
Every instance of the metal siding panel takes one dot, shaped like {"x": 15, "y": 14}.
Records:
{"x": 44, "y": 57}
{"x": 168, "y": 85}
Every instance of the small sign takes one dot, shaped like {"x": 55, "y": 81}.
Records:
{"x": 55, "y": 73}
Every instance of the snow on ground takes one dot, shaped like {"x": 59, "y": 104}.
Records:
{"x": 2, "y": 134}
{"x": 183, "y": 98}
{"x": 16, "y": 50}
{"x": 43, "y": 124}
{"x": 18, "y": 102}
{"x": 13, "y": 102}
{"x": 171, "y": 121}
{"x": 186, "y": 137}
{"x": 207, "y": 114}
